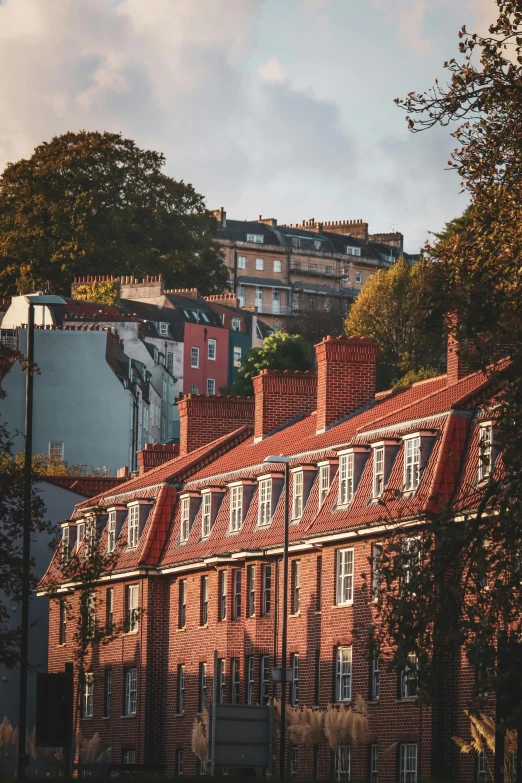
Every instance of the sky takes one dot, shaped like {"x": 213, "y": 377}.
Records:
{"x": 276, "y": 107}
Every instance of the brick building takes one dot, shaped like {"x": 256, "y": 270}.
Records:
{"x": 286, "y": 270}
{"x": 200, "y": 556}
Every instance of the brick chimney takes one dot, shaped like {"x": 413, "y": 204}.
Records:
{"x": 456, "y": 369}
{"x": 202, "y": 419}
{"x": 345, "y": 377}
{"x": 280, "y": 396}
{"x": 153, "y": 455}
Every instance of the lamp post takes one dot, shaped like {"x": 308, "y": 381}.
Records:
{"x": 284, "y": 625}
{"x": 32, "y": 300}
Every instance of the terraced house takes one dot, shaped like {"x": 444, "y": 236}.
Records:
{"x": 200, "y": 563}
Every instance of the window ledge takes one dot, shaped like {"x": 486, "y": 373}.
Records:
{"x": 407, "y": 700}
{"x": 132, "y": 715}
{"x": 342, "y": 606}
{"x": 373, "y": 702}
{"x": 178, "y": 630}
{"x": 295, "y": 614}
{"x": 106, "y": 717}
{"x": 202, "y": 627}
{"x": 131, "y": 633}
{"x": 179, "y": 714}
{"x": 87, "y": 717}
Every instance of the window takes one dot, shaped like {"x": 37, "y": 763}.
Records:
{"x": 134, "y": 526}
{"x": 236, "y": 508}
{"x": 374, "y": 762}
{"x": 276, "y": 301}
{"x": 181, "y": 688}
{"x": 236, "y": 324}
{"x": 358, "y": 277}
{"x": 56, "y": 449}
{"x": 205, "y": 514}
{"x": 298, "y": 495}
{"x": 408, "y": 679}
{"x": 131, "y": 690}
{"x": 194, "y": 389}
{"x": 259, "y": 238}
{"x": 317, "y": 683}
{"x": 408, "y": 763}
{"x": 241, "y": 295}
{"x": 376, "y": 570}
{"x": 265, "y": 501}
{"x": 241, "y": 262}
{"x": 259, "y": 298}
{"x": 109, "y": 609}
{"x": 482, "y": 769}
{"x": 345, "y": 479}
{"x": 267, "y": 589}
{"x": 221, "y": 680}
{"x": 324, "y": 483}
{"x": 108, "y": 693}
{"x": 237, "y": 593}
{"x": 80, "y": 533}
{"x": 296, "y": 586}
{"x": 211, "y": 349}
{"x": 128, "y": 756}
{"x": 182, "y": 617}
{"x": 260, "y": 264}
{"x": 277, "y": 266}
{"x": 264, "y": 679}
{"x": 237, "y": 356}
{"x": 185, "y": 519}
{"x": 313, "y": 267}
{"x": 378, "y": 471}
{"x": 343, "y": 674}
{"x": 65, "y": 544}
{"x": 410, "y": 550}
{"x": 293, "y": 761}
{"x": 295, "y": 679}
{"x": 412, "y": 452}
{"x": 223, "y": 595}
{"x": 179, "y": 761}
{"x": 164, "y": 329}
{"x": 132, "y": 608}
{"x": 194, "y": 357}
{"x": 111, "y": 532}
{"x": 91, "y": 613}
{"x": 485, "y": 452}
{"x": 235, "y": 681}
{"x": 328, "y": 270}
{"x": 250, "y": 679}
{"x": 62, "y": 637}
{"x": 211, "y": 386}
{"x": 204, "y": 600}
{"x": 353, "y": 251}
{"x": 202, "y": 686}
{"x": 251, "y": 582}
{"x": 376, "y": 677}
{"x": 170, "y": 362}
{"x": 90, "y": 537}
{"x": 344, "y": 576}
{"x": 342, "y": 762}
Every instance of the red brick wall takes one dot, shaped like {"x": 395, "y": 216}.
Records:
{"x": 153, "y": 455}
{"x": 345, "y": 377}
{"x": 203, "y": 419}
{"x": 282, "y": 395}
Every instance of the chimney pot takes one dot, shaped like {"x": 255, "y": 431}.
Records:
{"x": 281, "y": 395}
{"x": 203, "y": 419}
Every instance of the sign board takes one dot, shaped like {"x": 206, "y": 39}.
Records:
{"x": 241, "y": 735}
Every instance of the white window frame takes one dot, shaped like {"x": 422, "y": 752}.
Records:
{"x": 88, "y": 695}
{"x": 111, "y": 532}
{"x": 408, "y": 690}
{"x": 485, "y": 463}
{"x": 241, "y": 262}
{"x": 298, "y": 489}
{"x": 343, "y": 674}
{"x": 194, "y": 389}
{"x": 378, "y": 471}
{"x": 203, "y": 684}
{"x": 342, "y": 763}
{"x": 181, "y": 689}
{"x": 250, "y": 679}
{"x": 374, "y": 762}
{"x": 133, "y": 601}
{"x": 257, "y": 238}
{"x": 346, "y": 475}
{"x": 223, "y": 591}
{"x": 80, "y": 533}
{"x": 293, "y": 761}
{"x": 131, "y": 690}
{"x": 324, "y": 483}
{"x": 211, "y": 349}
{"x": 295, "y": 679}
{"x": 237, "y": 593}
{"x": 344, "y": 566}
{"x": 164, "y": 329}
{"x": 296, "y": 586}
{"x": 264, "y": 679}
{"x": 194, "y": 357}
{"x": 185, "y": 519}
{"x": 211, "y": 386}
{"x": 353, "y": 251}
{"x": 358, "y": 277}
{"x": 206, "y": 513}
{"x": 260, "y": 264}
{"x": 56, "y": 449}
{"x": 410, "y": 552}
{"x": 251, "y": 588}
{"x": 236, "y": 324}
{"x": 65, "y": 544}
{"x": 265, "y": 502}
{"x": 412, "y": 463}
{"x": 236, "y": 508}
{"x": 133, "y": 526}
{"x": 235, "y": 677}
{"x": 237, "y": 356}
{"x": 108, "y": 693}
{"x": 62, "y": 638}
{"x": 376, "y": 676}
{"x": 129, "y": 757}
{"x": 222, "y": 680}
{"x": 278, "y": 265}
{"x": 408, "y": 762}
{"x": 267, "y": 589}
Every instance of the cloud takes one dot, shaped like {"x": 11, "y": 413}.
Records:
{"x": 272, "y": 71}
{"x": 408, "y": 16}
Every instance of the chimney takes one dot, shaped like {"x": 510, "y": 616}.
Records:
{"x": 221, "y": 216}
{"x": 280, "y": 396}
{"x": 153, "y": 455}
{"x": 345, "y": 377}
{"x": 203, "y": 419}
{"x": 455, "y": 369}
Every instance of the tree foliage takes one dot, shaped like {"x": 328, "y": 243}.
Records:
{"x": 95, "y": 203}
{"x": 392, "y": 310}
{"x": 313, "y": 324}
{"x": 280, "y": 351}
{"x": 102, "y": 291}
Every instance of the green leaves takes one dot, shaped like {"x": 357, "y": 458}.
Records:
{"x": 280, "y": 351}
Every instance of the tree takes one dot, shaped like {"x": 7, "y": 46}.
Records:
{"x": 94, "y": 203}
{"x": 392, "y": 310}
{"x": 313, "y": 324}
{"x": 479, "y": 280}
{"x": 102, "y": 291}
{"x": 280, "y": 351}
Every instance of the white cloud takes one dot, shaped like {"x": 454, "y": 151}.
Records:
{"x": 272, "y": 71}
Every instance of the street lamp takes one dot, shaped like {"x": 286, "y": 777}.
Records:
{"x": 284, "y": 630}
{"x": 32, "y": 300}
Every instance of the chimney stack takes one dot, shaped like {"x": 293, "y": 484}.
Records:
{"x": 456, "y": 369}
{"x": 153, "y": 455}
{"x": 345, "y": 377}
{"x": 202, "y": 419}
{"x": 280, "y": 396}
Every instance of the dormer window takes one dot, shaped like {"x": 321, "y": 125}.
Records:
{"x": 297, "y": 511}
{"x": 185, "y": 518}
{"x": 133, "y": 529}
{"x": 485, "y": 451}
{"x": 353, "y": 251}
{"x": 324, "y": 482}
{"x": 80, "y": 533}
{"x": 164, "y": 329}
{"x": 205, "y": 514}
{"x": 258, "y": 238}
{"x": 412, "y": 457}
{"x": 65, "y": 544}
{"x": 265, "y": 501}
{"x": 346, "y": 464}
{"x": 378, "y": 472}
{"x": 111, "y": 531}
{"x": 236, "y": 508}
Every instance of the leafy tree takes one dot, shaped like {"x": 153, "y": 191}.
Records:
{"x": 102, "y": 291}
{"x": 391, "y": 309}
{"x": 480, "y": 282}
{"x": 46, "y": 465}
{"x": 280, "y": 351}
{"x": 313, "y": 324}
{"x": 93, "y": 203}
